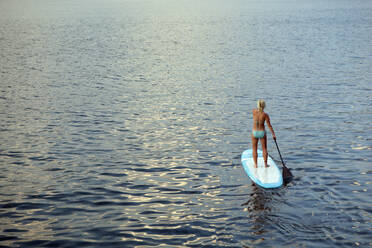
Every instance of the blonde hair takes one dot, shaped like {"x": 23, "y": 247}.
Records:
{"x": 261, "y": 104}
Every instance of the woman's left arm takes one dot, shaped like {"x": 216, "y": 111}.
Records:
{"x": 270, "y": 127}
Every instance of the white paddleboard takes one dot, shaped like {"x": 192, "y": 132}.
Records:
{"x": 269, "y": 177}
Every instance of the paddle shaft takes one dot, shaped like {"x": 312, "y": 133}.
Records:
{"x": 286, "y": 173}
{"x": 279, "y": 152}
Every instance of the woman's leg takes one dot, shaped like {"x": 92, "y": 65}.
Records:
{"x": 264, "y": 149}
{"x": 254, "y": 150}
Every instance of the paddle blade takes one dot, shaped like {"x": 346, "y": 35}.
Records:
{"x": 286, "y": 173}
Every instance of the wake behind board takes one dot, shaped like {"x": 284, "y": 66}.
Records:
{"x": 269, "y": 177}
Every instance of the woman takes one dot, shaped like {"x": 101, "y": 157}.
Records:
{"x": 259, "y": 132}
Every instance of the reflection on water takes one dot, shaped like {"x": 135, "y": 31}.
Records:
{"x": 259, "y": 205}
{"x": 122, "y": 124}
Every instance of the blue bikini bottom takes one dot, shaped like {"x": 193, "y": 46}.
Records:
{"x": 259, "y": 134}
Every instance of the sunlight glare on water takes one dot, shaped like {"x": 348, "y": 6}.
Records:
{"x": 123, "y": 122}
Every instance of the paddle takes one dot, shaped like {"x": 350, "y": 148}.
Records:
{"x": 286, "y": 172}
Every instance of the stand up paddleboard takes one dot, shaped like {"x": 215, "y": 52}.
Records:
{"x": 269, "y": 177}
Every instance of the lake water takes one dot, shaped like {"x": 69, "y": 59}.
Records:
{"x": 123, "y": 122}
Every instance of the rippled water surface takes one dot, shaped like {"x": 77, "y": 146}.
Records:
{"x": 122, "y": 122}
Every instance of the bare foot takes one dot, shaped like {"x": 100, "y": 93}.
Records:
{"x": 255, "y": 166}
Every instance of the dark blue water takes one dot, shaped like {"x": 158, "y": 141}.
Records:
{"x": 122, "y": 122}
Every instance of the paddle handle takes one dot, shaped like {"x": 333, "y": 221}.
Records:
{"x": 279, "y": 152}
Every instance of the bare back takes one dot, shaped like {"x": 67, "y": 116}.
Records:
{"x": 259, "y": 118}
